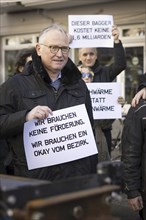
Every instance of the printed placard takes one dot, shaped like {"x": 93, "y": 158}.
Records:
{"x": 91, "y": 30}
{"x": 104, "y": 98}
{"x": 63, "y": 137}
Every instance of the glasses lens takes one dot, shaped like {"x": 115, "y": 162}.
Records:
{"x": 55, "y": 49}
{"x": 87, "y": 75}
{"x": 65, "y": 49}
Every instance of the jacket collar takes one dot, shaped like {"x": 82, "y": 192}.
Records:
{"x": 69, "y": 74}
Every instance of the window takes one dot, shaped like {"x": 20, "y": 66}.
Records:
{"x": 11, "y": 45}
{"x": 134, "y": 71}
{"x": 133, "y": 32}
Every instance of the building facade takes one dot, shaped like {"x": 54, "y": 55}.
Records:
{"x": 20, "y": 27}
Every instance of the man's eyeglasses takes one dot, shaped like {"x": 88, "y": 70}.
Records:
{"x": 89, "y": 75}
{"x": 54, "y": 49}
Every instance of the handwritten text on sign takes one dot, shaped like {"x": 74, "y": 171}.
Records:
{"x": 63, "y": 137}
{"x": 104, "y": 97}
{"x": 91, "y": 30}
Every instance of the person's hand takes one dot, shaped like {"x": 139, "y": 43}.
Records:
{"x": 115, "y": 33}
{"x": 39, "y": 112}
{"x": 136, "y": 203}
{"x": 121, "y": 100}
{"x": 138, "y": 96}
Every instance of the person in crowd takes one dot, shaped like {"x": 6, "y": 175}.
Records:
{"x": 51, "y": 81}
{"x": 87, "y": 73}
{"x": 141, "y": 92}
{"x": 22, "y": 57}
{"x": 89, "y": 57}
{"x": 133, "y": 144}
{"x": 6, "y": 159}
{"x": 103, "y": 153}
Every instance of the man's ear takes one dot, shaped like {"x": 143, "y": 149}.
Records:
{"x": 38, "y": 49}
{"x": 70, "y": 38}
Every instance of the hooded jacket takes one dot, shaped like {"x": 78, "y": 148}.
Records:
{"x": 22, "y": 92}
{"x": 134, "y": 151}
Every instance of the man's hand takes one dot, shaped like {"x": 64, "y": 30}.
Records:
{"x": 136, "y": 203}
{"x": 138, "y": 96}
{"x": 115, "y": 33}
{"x": 39, "y": 112}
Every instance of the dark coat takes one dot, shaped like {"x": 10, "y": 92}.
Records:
{"x": 4, "y": 150}
{"x": 22, "y": 92}
{"x": 109, "y": 73}
{"x": 134, "y": 150}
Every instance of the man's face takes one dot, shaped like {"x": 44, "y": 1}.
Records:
{"x": 53, "y": 62}
{"x": 88, "y": 56}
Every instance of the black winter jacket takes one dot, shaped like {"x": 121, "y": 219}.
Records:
{"x": 22, "y": 92}
{"x": 134, "y": 151}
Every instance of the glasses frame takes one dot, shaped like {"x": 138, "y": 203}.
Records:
{"x": 57, "y": 48}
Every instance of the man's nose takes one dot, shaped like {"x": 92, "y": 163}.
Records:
{"x": 88, "y": 56}
{"x": 59, "y": 52}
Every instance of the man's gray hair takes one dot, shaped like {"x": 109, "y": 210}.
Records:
{"x": 50, "y": 28}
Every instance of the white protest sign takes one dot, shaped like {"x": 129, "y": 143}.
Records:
{"x": 104, "y": 98}
{"x": 63, "y": 137}
{"x": 90, "y": 30}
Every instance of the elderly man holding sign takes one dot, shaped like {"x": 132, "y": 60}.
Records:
{"x": 51, "y": 81}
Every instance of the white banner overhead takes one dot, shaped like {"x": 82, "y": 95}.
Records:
{"x": 63, "y": 137}
{"x": 91, "y": 30}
